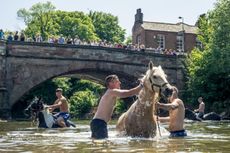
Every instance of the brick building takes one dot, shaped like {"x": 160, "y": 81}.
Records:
{"x": 180, "y": 36}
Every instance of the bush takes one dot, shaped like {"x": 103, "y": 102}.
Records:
{"x": 120, "y": 107}
{"x": 81, "y": 103}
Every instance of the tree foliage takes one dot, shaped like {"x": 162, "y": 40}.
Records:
{"x": 42, "y": 18}
{"x": 107, "y": 27}
{"x": 209, "y": 71}
{"x": 38, "y": 19}
{"x": 81, "y": 103}
{"x": 74, "y": 25}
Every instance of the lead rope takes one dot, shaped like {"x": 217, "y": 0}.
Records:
{"x": 158, "y": 125}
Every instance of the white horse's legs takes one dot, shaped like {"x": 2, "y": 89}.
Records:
{"x": 121, "y": 123}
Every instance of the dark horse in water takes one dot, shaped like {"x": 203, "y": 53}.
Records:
{"x": 39, "y": 111}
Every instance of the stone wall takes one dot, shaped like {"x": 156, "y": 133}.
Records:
{"x": 4, "y": 105}
{"x": 29, "y": 64}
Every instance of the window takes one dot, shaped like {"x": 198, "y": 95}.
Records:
{"x": 198, "y": 43}
{"x": 161, "y": 41}
{"x": 180, "y": 43}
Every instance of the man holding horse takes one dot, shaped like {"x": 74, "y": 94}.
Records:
{"x": 176, "y": 115}
{"x": 106, "y": 105}
{"x": 62, "y": 104}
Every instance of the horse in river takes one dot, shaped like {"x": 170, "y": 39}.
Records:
{"x": 40, "y": 111}
{"x": 139, "y": 120}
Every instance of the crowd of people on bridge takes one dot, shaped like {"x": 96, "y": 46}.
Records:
{"x": 20, "y": 36}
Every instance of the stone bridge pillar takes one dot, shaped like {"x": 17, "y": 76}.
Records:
{"x": 4, "y": 105}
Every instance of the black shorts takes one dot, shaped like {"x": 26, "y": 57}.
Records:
{"x": 181, "y": 133}
{"x": 99, "y": 129}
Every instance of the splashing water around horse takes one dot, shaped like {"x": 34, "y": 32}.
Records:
{"x": 138, "y": 121}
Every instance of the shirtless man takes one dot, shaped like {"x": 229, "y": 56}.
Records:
{"x": 62, "y": 104}
{"x": 105, "y": 108}
{"x": 200, "y": 111}
{"x": 176, "y": 115}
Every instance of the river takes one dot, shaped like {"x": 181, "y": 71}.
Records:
{"x": 19, "y": 136}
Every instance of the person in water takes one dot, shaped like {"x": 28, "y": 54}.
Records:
{"x": 176, "y": 114}
{"x": 61, "y": 103}
{"x": 106, "y": 105}
{"x": 200, "y": 111}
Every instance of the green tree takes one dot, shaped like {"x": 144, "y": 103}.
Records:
{"x": 209, "y": 72}
{"x": 128, "y": 40}
{"x": 81, "y": 103}
{"x": 38, "y": 19}
{"x": 107, "y": 27}
{"x": 75, "y": 24}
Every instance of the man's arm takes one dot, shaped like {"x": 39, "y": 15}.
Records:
{"x": 161, "y": 119}
{"x": 127, "y": 93}
{"x": 170, "y": 106}
{"x": 57, "y": 104}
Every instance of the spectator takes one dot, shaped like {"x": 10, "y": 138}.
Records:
{"x": 142, "y": 47}
{"x": 16, "y": 36}
{"x": 51, "y": 39}
{"x": 69, "y": 41}
{"x": 10, "y": 37}
{"x": 22, "y": 36}
{"x": 1, "y": 34}
{"x": 61, "y": 40}
{"x": 39, "y": 38}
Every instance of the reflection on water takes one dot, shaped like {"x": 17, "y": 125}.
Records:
{"x": 22, "y": 137}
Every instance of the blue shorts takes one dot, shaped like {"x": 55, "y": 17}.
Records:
{"x": 181, "y": 133}
{"x": 64, "y": 115}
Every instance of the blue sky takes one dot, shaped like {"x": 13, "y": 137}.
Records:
{"x": 154, "y": 10}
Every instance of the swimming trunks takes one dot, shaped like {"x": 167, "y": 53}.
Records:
{"x": 99, "y": 129}
{"x": 181, "y": 133}
{"x": 64, "y": 115}
{"x": 200, "y": 115}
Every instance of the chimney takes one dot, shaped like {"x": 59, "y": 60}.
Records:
{"x": 139, "y": 16}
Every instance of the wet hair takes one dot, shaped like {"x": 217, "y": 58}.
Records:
{"x": 110, "y": 78}
{"x": 59, "y": 89}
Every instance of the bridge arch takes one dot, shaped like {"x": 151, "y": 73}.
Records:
{"x": 27, "y": 64}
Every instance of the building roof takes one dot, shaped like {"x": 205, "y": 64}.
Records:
{"x": 169, "y": 27}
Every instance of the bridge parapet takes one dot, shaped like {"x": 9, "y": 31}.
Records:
{"x": 93, "y": 53}
{"x": 24, "y": 65}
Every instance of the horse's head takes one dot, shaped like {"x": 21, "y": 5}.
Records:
{"x": 155, "y": 80}
{"x": 35, "y": 106}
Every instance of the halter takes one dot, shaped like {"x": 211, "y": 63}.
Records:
{"x": 157, "y": 85}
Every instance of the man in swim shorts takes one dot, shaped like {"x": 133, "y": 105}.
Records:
{"x": 106, "y": 105}
{"x": 62, "y": 104}
{"x": 200, "y": 111}
{"x": 176, "y": 115}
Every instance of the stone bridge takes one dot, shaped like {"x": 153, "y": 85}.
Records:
{"x": 24, "y": 65}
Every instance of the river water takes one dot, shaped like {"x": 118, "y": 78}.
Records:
{"x": 24, "y": 137}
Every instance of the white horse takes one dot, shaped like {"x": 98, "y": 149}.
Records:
{"x": 139, "y": 120}
{"x": 45, "y": 119}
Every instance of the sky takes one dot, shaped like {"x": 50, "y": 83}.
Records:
{"x": 166, "y": 11}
